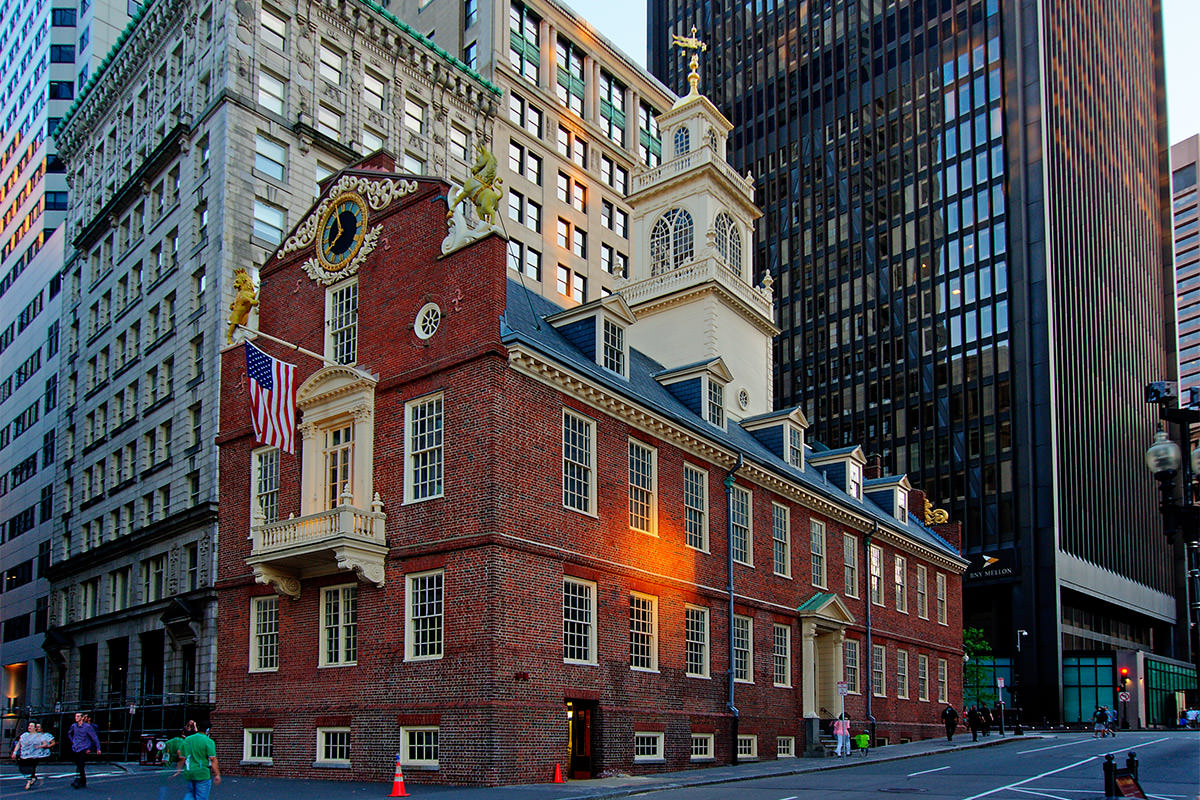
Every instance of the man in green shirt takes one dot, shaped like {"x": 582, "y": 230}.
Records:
{"x": 170, "y": 758}
{"x": 198, "y": 762}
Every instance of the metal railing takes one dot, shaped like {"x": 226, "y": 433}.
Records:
{"x": 344, "y": 520}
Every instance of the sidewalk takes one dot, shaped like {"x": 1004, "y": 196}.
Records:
{"x": 236, "y": 788}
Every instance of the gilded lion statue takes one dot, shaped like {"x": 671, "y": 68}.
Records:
{"x": 482, "y": 188}
{"x": 245, "y": 300}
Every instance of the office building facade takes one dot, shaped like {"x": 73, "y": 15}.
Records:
{"x": 973, "y": 277}
{"x": 581, "y": 119}
{"x": 191, "y": 153}
{"x": 1185, "y": 218}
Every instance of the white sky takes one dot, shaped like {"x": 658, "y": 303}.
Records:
{"x": 624, "y": 23}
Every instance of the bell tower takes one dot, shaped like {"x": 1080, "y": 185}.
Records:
{"x": 691, "y": 279}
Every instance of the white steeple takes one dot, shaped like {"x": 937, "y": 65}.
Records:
{"x": 691, "y": 275}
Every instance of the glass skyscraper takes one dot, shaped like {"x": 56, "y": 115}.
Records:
{"x": 965, "y": 214}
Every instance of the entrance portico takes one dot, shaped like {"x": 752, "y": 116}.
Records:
{"x": 823, "y": 621}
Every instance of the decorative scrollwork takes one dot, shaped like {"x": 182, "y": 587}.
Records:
{"x": 379, "y": 194}
{"x": 314, "y": 270}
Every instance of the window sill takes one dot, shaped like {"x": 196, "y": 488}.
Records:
{"x": 702, "y": 759}
{"x": 644, "y": 669}
{"x": 256, "y": 763}
{"x": 649, "y": 761}
{"x": 420, "y": 767}
{"x": 330, "y": 765}
{"x": 337, "y": 666}
{"x": 698, "y": 677}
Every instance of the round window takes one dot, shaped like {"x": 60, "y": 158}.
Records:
{"x": 428, "y": 320}
{"x": 743, "y": 399}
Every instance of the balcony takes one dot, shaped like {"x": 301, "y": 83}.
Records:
{"x": 706, "y": 270}
{"x": 694, "y": 159}
{"x": 285, "y": 552}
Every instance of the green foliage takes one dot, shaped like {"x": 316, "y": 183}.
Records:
{"x": 979, "y": 672}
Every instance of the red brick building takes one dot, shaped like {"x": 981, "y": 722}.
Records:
{"x": 514, "y": 536}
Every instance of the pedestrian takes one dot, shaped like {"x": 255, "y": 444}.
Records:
{"x": 1111, "y": 726}
{"x": 985, "y": 717}
{"x": 998, "y": 716}
{"x": 25, "y": 752}
{"x": 84, "y": 739}
{"x": 841, "y": 729}
{"x": 45, "y": 747}
{"x": 198, "y": 762}
{"x": 950, "y": 720}
{"x": 974, "y": 722}
{"x": 1099, "y": 722}
{"x": 170, "y": 759}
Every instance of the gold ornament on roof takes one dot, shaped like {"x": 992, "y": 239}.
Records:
{"x": 697, "y": 47}
{"x": 935, "y": 516}
{"x": 482, "y": 188}
{"x": 245, "y": 300}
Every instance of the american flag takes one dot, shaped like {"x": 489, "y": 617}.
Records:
{"x": 272, "y": 399}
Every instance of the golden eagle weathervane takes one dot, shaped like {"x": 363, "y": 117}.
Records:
{"x": 697, "y": 47}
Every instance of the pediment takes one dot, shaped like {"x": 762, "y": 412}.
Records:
{"x": 828, "y": 608}
{"x": 333, "y": 383}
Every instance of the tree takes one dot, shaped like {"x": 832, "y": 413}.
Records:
{"x": 979, "y": 671}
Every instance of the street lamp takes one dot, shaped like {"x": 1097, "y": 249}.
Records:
{"x": 1180, "y": 514}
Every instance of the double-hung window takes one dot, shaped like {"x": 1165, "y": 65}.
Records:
{"x": 850, "y": 564}
{"x": 339, "y": 626}
{"x": 264, "y": 633}
{"x": 782, "y": 655}
{"x": 878, "y": 664}
{"x": 643, "y": 488}
{"x": 612, "y": 108}
{"x": 579, "y": 459}
{"x": 265, "y": 496}
{"x": 524, "y": 41}
{"x": 922, "y": 677}
{"x": 876, "y": 568}
{"x": 743, "y": 649}
{"x": 649, "y": 137}
{"x": 781, "y": 540}
{"x": 695, "y": 507}
{"x": 942, "y": 681}
{"x": 579, "y": 621}
{"x": 922, "y": 591}
{"x": 902, "y": 584}
{"x": 423, "y": 615}
{"x": 613, "y": 345}
{"x": 570, "y": 85}
{"x": 739, "y": 514}
{"x": 817, "y": 552}
{"x": 643, "y": 632}
{"x": 332, "y": 64}
{"x": 850, "y": 665}
{"x": 423, "y": 457}
{"x": 339, "y": 463}
{"x": 941, "y": 599}
{"x": 902, "y": 674}
{"x": 696, "y": 641}
{"x": 341, "y": 320}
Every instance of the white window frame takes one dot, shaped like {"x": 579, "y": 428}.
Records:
{"x": 639, "y": 493}
{"x": 747, "y": 745}
{"x": 583, "y": 472}
{"x": 341, "y": 333}
{"x": 262, "y": 460}
{"x": 785, "y": 746}
{"x": 693, "y": 613}
{"x": 708, "y": 748}
{"x": 406, "y": 745}
{"x": 901, "y": 580}
{"x": 436, "y": 450}
{"x": 923, "y": 678}
{"x": 695, "y": 507}
{"x": 746, "y": 623}
{"x": 248, "y": 756}
{"x": 585, "y": 627}
{"x": 943, "y": 681}
{"x": 322, "y": 733}
{"x": 714, "y": 402}
{"x": 433, "y": 580}
{"x": 340, "y": 660}
{"x": 641, "y": 738}
{"x": 942, "y": 610}
{"x": 851, "y": 666}
{"x": 854, "y": 483}
{"x": 922, "y": 591}
{"x": 875, "y": 570}
{"x": 902, "y": 674}
{"x": 651, "y": 636}
{"x": 781, "y": 540}
{"x": 262, "y": 642}
{"x": 850, "y": 564}
{"x": 818, "y": 551}
{"x": 794, "y": 443}
{"x": 879, "y": 670}
{"x": 613, "y": 354}
{"x": 782, "y": 654}
{"x": 743, "y": 533}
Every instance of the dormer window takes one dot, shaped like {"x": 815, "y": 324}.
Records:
{"x": 613, "y": 347}
{"x": 854, "y": 481}
{"x": 683, "y": 141}
{"x": 716, "y": 403}
{"x": 795, "y": 446}
{"x": 902, "y": 505}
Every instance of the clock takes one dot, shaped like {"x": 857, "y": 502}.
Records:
{"x": 342, "y": 227}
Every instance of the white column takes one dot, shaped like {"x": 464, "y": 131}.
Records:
{"x": 808, "y": 678}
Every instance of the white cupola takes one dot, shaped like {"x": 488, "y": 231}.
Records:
{"x": 691, "y": 283}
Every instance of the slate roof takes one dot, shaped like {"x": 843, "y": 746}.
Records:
{"x": 523, "y": 322}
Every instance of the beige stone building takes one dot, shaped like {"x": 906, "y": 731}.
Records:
{"x": 580, "y": 120}
{"x": 190, "y": 153}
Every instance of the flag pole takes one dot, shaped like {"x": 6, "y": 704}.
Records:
{"x": 253, "y": 333}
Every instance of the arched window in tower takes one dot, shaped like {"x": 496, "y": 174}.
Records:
{"x": 729, "y": 243}
{"x": 671, "y": 241}
{"x": 683, "y": 141}
{"x": 712, "y": 140}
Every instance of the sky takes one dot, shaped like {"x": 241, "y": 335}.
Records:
{"x": 624, "y": 23}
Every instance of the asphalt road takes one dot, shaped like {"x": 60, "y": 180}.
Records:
{"x": 1064, "y": 767}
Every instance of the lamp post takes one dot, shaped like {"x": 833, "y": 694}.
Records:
{"x": 1181, "y": 514}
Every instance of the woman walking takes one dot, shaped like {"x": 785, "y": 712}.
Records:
{"x": 26, "y": 752}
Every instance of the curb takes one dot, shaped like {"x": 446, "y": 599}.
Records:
{"x": 716, "y": 780}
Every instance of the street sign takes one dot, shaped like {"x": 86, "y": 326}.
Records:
{"x": 999, "y": 682}
{"x": 843, "y": 688}
{"x": 1124, "y": 697}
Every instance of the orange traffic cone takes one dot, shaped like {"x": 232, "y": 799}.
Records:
{"x": 558, "y": 778}
{"x": 398, "y": 781}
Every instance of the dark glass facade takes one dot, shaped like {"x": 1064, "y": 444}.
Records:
{"x": 964, "y": 213}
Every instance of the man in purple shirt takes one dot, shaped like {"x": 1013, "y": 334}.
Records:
{"x": 84, "y": 739}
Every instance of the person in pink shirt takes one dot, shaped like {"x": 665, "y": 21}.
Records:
{"x": 841, "y": 729}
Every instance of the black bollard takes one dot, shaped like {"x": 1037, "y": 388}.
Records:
{"x": 1131, "y": 764}
{"x": 1110, "y": 776}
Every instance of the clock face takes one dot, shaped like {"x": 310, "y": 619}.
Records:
{"x": 343, "y": 226}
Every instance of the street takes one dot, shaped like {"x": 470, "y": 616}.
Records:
{"x": 1060, "y": 767}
